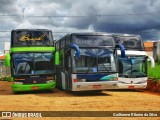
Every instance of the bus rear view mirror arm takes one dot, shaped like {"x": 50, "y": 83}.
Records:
{"x": 7, "y": 60}
{"x": 121, "y": 47}
{"x": 77, "y": 49}
{"x": 152, "y": 61}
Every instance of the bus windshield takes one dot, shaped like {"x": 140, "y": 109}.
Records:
{"x": 133, "y": 67}
{"x": 33, "y": 63}
{"x": 131, "y": 42}
{"x": 96, "y": 40}
{"x": 93, "y": 61}
{"x": 32, "y": 38}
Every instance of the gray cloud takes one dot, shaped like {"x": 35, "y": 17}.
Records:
{"x": 124, "y": 16}
{"x": 8, "y": 6}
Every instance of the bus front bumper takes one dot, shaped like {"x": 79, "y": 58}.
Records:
{"x": 132, "y": 83}
{"x": 132, "y": 86}
{"x": 33, "y": 87}
{"x": 86, "y": 86}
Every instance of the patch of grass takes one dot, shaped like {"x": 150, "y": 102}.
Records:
{"x": 9, "y": 79}
{"x": 154, "y": 72}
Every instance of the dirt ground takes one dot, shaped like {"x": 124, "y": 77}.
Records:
{"x": 58, "y": 100}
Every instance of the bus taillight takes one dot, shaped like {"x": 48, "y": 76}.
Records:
{"x": 79, "y": 80}
{"x": 75, "y": 80}
{"x": 20, "y": 83}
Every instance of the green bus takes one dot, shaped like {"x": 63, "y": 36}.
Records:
{"x": 32, "y": 60}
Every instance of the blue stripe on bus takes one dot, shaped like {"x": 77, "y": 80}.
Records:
{"x": 91, "y": 76}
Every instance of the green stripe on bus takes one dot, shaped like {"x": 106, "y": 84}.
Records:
{"x": 57, "y": 58}
{"x": 28, "y": 49}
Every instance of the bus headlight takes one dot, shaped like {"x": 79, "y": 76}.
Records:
{"x": 20, "y": 83}
{"x": 79, "y": 80}
{"x": 49, "y": 81}
{"x": 145, "y": 81}
{"x": 121, "y": 82}
{"x": 116, "y": 78}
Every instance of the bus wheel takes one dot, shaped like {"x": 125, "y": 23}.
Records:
{"x": 14, "y": 92}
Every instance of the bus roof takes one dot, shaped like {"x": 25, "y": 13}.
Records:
{"x": 130, "y": 41}
{"x": 91, "y": 33}
{"x": 125, "y": 35}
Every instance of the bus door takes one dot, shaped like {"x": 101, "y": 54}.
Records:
{"x": 67, "y": 70}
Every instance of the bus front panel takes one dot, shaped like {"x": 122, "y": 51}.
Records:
{"x": 33, "y": 71}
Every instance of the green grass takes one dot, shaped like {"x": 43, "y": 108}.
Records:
{"x": 154, "y": 72}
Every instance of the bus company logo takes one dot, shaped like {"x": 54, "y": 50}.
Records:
{"x": 27, "y": 38}
{"x": 6, "y": 114}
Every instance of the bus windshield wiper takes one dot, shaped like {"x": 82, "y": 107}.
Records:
{"x": 91, "y": 65}
{"x": 44, "y": 42}
{"x": 105, "y": 67}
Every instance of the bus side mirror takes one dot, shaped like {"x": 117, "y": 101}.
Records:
{"x": 57, "y": 58}
{"x": 146, "y": 57}
{"x": 76, "y": 48}
{"x": 152, "y": 61}
{"x": 7, "y": 60}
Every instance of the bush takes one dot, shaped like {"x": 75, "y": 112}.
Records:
{"x": 154, "y": 73}
{"x": 9, "y": 79}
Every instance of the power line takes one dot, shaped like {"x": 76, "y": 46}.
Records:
{"x": 96, "y": 15}
{"x": 5, "y": 31}
{"x": 86, "y": 31}
{"x": 5, "y": 37}
{"x": 4, "y": 41}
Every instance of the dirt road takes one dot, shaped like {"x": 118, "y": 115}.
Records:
{"x": 57, "y": 100}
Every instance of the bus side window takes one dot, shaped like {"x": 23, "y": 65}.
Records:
{"x": 68, "y": 40}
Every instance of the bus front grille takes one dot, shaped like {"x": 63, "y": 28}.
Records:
{"x": 35, "y": 80}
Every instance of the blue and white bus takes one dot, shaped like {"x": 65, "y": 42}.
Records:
{"x": 88, "y": 61}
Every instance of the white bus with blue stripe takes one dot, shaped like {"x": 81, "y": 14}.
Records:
{"x": 88, "y": 61}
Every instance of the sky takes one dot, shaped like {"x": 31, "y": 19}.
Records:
{"x": 140, "y": 17}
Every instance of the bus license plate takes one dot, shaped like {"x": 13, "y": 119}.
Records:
{"x": 35, "y": 88}
{"x": 131, "y": 87}
{"x": 97, "y": 86}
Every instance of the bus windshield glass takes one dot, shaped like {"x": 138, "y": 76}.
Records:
{"x": 32, "y": 38}
{"x": 133, "y": 67}
{"x": 33, "y": 63}
{"x": 94, "y": 61}
{"x": 96, "y": 40}
{"x": 131, "y": 42}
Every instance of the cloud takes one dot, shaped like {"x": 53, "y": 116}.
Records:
{"x": 8, "y": 6}
{"x": 124, "y": 16}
